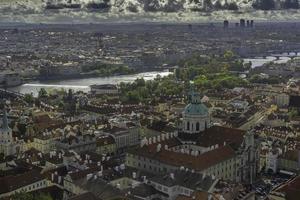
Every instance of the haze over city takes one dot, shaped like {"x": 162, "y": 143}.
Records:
{"x": 149, "y": 100}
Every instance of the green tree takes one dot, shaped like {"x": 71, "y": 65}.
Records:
{"x": 133, "y": 97}
{"x": 140, "y": 82}
{"x": 43, "y": 93}
{"x": 228, "y": 55}
{"x": 293, "y": 113}
{"x": 29, "y": 98}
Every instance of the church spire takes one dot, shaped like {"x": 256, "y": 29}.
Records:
{"x": 194, "y": 97}
{"x": 5, "y": 120}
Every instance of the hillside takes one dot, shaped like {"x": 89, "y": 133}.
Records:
{"x": 138, "y": 10}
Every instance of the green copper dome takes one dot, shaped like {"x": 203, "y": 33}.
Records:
{"x": 196, "y": 107}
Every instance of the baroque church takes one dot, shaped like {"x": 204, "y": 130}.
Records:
{"x": 8, "y": 146}
{"x": 198, "y": 146}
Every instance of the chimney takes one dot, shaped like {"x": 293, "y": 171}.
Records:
{"x": 167, "y": 136}
{"x": 89, "y": 176}
{"x": 158, "y": 148}
{"x": 203, "y": 176}
{"x": 192, "y": 153}
{"x": 172, "y": 176}
{"x": 154, "y": 140}
{"x": 99, "y": 173}
{"x": 134, "y": 175}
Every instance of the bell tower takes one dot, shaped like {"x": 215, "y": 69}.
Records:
{"x": 6, "y": 138}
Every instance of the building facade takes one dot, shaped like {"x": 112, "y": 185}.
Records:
{"x": 225, "y": 153}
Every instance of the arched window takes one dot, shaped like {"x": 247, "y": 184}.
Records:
{"x": 188, "y": 126}
{"x": 197, "y": 126}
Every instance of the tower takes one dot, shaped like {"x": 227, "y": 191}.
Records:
{"x": 195, "y": 115}
{"x": 250, "y": 156}
{"x": 6, "y": 138}
{"x": 5, "y": 131}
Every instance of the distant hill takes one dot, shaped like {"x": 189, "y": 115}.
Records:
{"x": 146, "y": 10}
{"x": 140, "y": 6}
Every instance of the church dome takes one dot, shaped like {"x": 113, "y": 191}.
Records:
{"x": 195, "y": 115}
{"x": 195, "y": 107}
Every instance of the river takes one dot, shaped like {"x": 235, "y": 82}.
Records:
{"x": 84, "y": 83}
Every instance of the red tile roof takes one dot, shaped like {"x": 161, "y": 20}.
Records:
{"x": 291, "y": 189}
{"x": 11, "y": 183}
{"x": 179, "y": 159}
{"x": 218, "y": 135}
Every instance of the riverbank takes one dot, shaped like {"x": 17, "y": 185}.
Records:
{"x": 84, "y": 83}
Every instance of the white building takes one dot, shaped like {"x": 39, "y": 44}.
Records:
{"x": 272, "y": 161}
{"x": 282, "y": 100}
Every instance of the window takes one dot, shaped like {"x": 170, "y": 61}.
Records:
{"x": 188, "y": 126}
{"x": 197, "y": 126}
